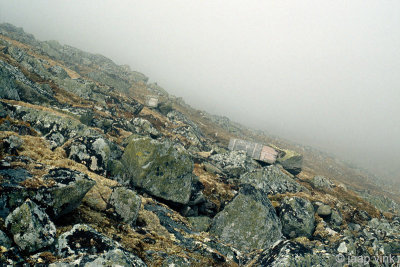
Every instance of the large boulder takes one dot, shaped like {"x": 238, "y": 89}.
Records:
{"x": 31, "y": 227}
{"x": 248, "y": 222}
{"x": 297, "y": 217}
{"x": 272, "y": 181}
{"x": 125, "y": 204}
{"x": 158, "y": 168}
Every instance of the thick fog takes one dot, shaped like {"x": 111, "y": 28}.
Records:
{"x": 320, "y": 73}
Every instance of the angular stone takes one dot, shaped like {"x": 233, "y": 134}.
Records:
{"x": 248, "y": 222}
{"x": 126, "y": 204}
{"x": 289, "y": 159}
{"x": 158, "y": 168}
{"x": 31, "y": 227}
{"x": 297, "y": 217}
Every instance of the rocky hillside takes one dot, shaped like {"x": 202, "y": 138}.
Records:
{"x": 90, "y": 175}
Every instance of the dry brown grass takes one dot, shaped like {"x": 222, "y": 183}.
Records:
{"x": 216, "y": 190}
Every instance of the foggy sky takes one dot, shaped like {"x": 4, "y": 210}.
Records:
{"x": 322, "y": 73}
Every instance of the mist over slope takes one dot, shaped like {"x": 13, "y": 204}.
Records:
{"x": 92, "y": 173}
{"x": 318, "y": 73}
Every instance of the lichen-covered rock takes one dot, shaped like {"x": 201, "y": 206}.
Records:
{"x": 272, "y": 181}
{"x": 322, "y": 182}
{"x": 96, "y": 153}
{"x": 248, "y": 222}
{"x": 234, "y": 163}
{"x": 31, "y": 228}
{"x": 125, "y": 203}
{"x": 297, "y": 217}
{"x": 115, "y": 257}
{"x": 289, "y": 159}
{"x": 158, "y": 168}
{"x": 83, "y": 239}
{"x": 290, "y": 253}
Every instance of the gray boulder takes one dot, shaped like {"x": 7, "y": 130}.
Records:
{"x": 234, "y": 163}
{"x": 272, "y": 181}
{"x": 297, "y": 217}
{"x": 158, "y": 168}
{"x": 31, "y": 227}
{"x": 125, "y": 203}
{"x": 248, "y": 222}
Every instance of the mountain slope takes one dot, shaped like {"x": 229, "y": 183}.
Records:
{"x": 119, "y": 182}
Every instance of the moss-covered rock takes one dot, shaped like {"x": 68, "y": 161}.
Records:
{"x": 158, "y": 168}
{"x": 248, "y": 222}
{"x": 31, "y": 227}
